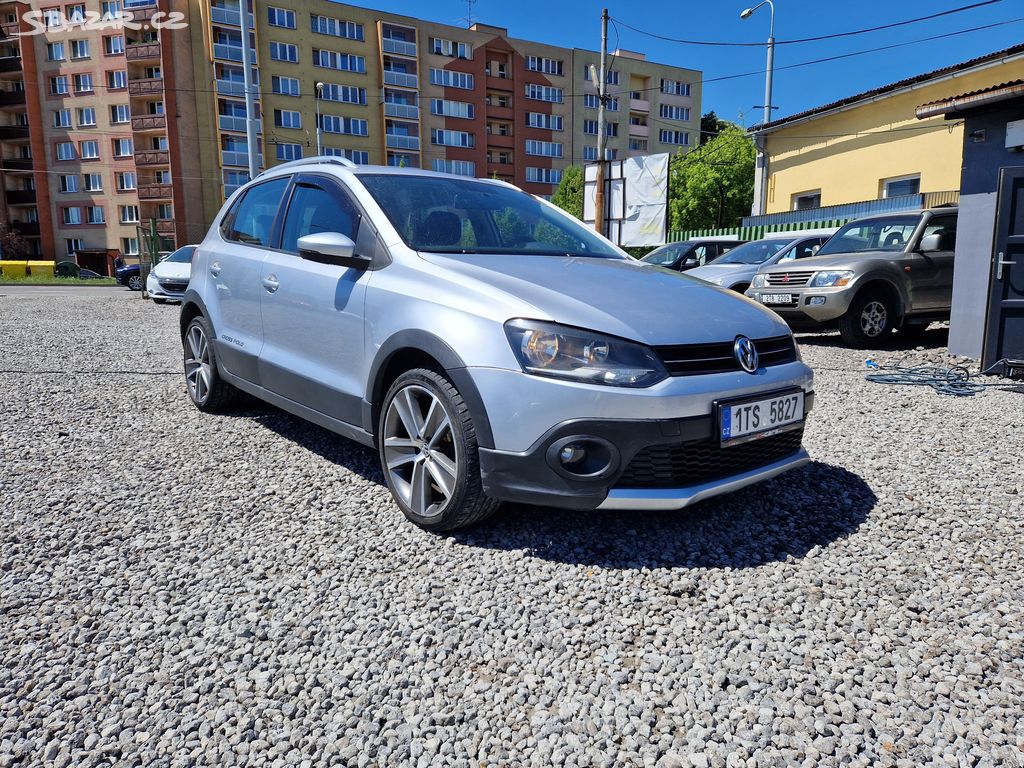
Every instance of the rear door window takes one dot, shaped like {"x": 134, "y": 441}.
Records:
{"x": 251, "y": 219}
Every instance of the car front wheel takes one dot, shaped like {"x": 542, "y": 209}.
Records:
{"x": 868, "y": 321}
{"x": 135, "y": 282}
{"x": 428, "y": 452}
{"x": 207, "y": 390}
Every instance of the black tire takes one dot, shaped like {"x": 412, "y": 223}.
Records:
{"x": 467, "y": 503}
{"x": 134, "y": 283}
{"x": 159, "y": 301}
{"x": 868, "y": 321}
{"x": 217, "y": 395}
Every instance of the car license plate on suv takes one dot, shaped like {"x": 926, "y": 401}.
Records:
{"x": 776, "y": 298}
{"x": 743, "y": 420}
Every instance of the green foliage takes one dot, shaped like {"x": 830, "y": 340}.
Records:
{"x": 711, "y": 125}
{"x": 12, "y": 245}
{"x": 569, "y": 195}
{"x": 712, "y": 186}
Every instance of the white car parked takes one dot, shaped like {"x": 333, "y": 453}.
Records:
{"x": 168, "y": 280}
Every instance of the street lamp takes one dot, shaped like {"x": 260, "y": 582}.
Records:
{"x": 761, "y": 170}
{"x": 319, "y": 126}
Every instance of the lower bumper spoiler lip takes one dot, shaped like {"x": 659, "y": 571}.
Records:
{"x": 677, "y": 498}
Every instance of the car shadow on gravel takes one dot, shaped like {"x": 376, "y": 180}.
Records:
{"x": 936, "y": 337}
{"x": 785, "y": 518}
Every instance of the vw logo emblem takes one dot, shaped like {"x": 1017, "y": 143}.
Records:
{"x": 746, "y": 353}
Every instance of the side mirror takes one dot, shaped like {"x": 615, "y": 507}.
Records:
{"x": 690, "y": 263}
{"x": 331, "y": 248}
{"x": 815, "y": 249}
{"x": 930, "y": 243}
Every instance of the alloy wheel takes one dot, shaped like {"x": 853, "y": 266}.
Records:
{"x": 135, "y": 282}
{"x": 197, "y": 364}
{"x": 420, "y": 453}
{"x": 873, "y": 318}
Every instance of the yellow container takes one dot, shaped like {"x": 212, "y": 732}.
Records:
{"x": 13, "y": 270}
{"x": 41, "y": 268}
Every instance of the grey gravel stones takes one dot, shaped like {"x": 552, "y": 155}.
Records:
{"x": 179, "y": 589}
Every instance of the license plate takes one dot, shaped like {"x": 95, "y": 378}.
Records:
{"x": 751, "y": 419}
{"x": 776, "y": 298}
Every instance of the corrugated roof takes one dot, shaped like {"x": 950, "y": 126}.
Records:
{"x": 971, "y": 94}
{"x": 882, "y": 90}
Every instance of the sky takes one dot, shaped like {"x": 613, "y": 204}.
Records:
{"x": 576, "y": 24}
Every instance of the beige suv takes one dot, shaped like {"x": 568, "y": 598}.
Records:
{"x": 873, "y": 275}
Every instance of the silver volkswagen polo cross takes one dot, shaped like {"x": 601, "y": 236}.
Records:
{"x": 487, "y": 344}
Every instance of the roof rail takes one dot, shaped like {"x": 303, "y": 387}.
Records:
{"x": 319, "y": 160}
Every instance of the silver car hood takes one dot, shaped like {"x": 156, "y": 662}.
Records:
{"x": 831, "y": 261}
{"x": 714, "y": 272}
{"x": 618, "y": 297}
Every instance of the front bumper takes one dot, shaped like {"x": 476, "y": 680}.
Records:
{"x": 155, "y": 290}
{"x": 820, "y": 305}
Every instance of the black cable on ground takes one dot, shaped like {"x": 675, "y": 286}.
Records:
{"x": 956, "y": 381}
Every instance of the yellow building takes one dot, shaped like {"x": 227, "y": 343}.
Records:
{"x": 872, "y": 147}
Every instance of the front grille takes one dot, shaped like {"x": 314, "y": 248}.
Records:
{"x": 174, "y": 286}
{"x": 681, "y": 465}
{"x": 786, "y": 279}
{"x": 718, "y": 357}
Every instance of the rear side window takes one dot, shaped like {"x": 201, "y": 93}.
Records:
{"x": 251, "y": 219}
{"x": 314, "y": 209}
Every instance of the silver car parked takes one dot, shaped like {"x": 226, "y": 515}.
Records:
{"x": 487, "y": 344}
{"x": 736, "y": 269}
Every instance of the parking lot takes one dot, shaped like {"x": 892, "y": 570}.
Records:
{"x": 183, "y": 589}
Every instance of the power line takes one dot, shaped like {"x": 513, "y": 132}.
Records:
{"x": 723, "y": 43}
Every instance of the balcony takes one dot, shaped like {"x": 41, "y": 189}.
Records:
{"x": 140, "y": 11}
{"x": 230, "y": 16}
{"x": 230, "y": 88}
{"x": 496, "y": 168}
{"x": 499, "y": 141}
{"x": 143, "y": 52}
{"x": 9, "y": 29}
{"x": 16, "y": 164}
{"x": 236, "y": 123}
{"x": 396, "y": 141}
{"x": 639, "y": 105}
{"x": 640, "y": 131}
{"x": 401, "y": 79}
{"x": 147, "y": 86}
{"x": 149, "y": 123}
{"x": 165, "y": 227}
{"x": 151, "y": 157}
{"x": 13, "y": 132}
{"x": 231, "y": 52}
{"x": 238, "y": 158}
{"x": 155, "y": 192}
{"x": 499, "y": 83}
{"x": 10, "y": 64}
{"x": 12, "y": 98}
{"x": 404, "y": 111}
{"x": 21, "y": 197}
{"x": 26, "y": 228}
{"x": 500, "y": 113}
{"x": 401, "y": 47}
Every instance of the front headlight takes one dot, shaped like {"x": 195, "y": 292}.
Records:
{"x": 548, "y": 349}
{"x": 831, "y": 279}
{"x": 759, "y": 280}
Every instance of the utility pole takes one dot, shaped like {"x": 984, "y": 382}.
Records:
{"x": 319, "y": 121}
{"x": 250, "y": 94}
{"x": 602, "y": 96}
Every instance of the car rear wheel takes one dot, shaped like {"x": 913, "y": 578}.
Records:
{"x": 428, "y": 452}
{"x": 135, "y": 282}
{"x": 868, "y": 321}
{"x": 207, "y": 390}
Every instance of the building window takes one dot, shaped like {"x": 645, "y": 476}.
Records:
{"x": 55, "y": 52}
{"x": 345, "y": 62}
{"x": 59, "y": 85}
{"x": 590, "y": 127}
{"x": 72, "y": 216}
{"x": 675, "y": 87}
{"x": 113, "y": 45}
{"x": 110, "y": 9}
{"x": 449, "y": 108}
{"x": 805, "y": 200}
{"x": 65, "y": 151}
{"x": 452, "y": 48}
{"x": 672, "y": 112}
{"x": 86, "y": 117}
{"x": 544, "y": 148}
{"x": 450, "y": 79}
{"x": 679, "y": 138}
{"x": 165, "y": 211}
{"x": 162, "y": 177}
{"x": 543, "y": 120}
{"x": 117, "y": 79}
{"x": 281, "y": 17}
{"x": 358, "y": 156}
{"x": 347, "y": 94}
{"x": 286, "y": 118}
{"x": 89, "y": 150}
{"x": 901, "y": 185}
{"x": 325, "y": 25}
{"x": 93, "y": 182}
{"x": 284, "y": 52}
{"x": 547, "y": 66}
{"x": 347, "y": 125}
{"x": 123, "y": 148}
{"x": 456, "y": 167}
{"x": 79, "y": 49}
{"x": 589, "y": 153}
{"x": 544, "y": 93}
{"x": 73, "y": 245}
{"x": 94, "y": 215}
{"x": 289, "y": 151}
{"x": 130, "y": 246}
{"x": 62, "y": 118}
{"x": 68, "y": 183}
{"x": 129, "y": 214}
{"x": 285, "y": 86}
{"x": 612, "y": 78}
{"x": 452, "y": 138}
{"x": 120, "y": 113}
{"x": 83, "y": 83}
{"x": 543, "y": 175}
{"x": 126, "y": 181}
{"x": 611, "y": 130}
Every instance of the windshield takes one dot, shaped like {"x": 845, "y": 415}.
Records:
{"x": 451, "y": 215}
{"x": 757, "y": 252}
{"x": 884, "y": 234}
{"x": 182, "y": 255}
{"x": 667, "y": 254}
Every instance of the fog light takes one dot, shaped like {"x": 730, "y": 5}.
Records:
{"x": 816, "y": 301}
{"x": 572, "y": 454}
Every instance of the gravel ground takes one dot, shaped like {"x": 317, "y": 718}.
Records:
{"x": 181, "y": 589}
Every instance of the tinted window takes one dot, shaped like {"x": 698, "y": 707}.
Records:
{"x": 182, "y": 255}
{"x": 884, "y": 234}
{"x": 756, "y": 252}
{"x": 945, "y": 228}
{"x": 802, "y": 249}
{"x": 313, "y": 210}
{"x": 251, "y": 220}
{"x": 667, "y": 254}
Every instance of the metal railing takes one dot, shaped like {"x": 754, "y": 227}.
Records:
{"x": 397, "y": 141}
{"x": 233, "y": 157}
{"x": 400, "y": 78}
{"x": 407, "y": 111}
{"x": 230, "y": 88}
{"x": 401, "y": 47}
{"x": 235, "y": 123}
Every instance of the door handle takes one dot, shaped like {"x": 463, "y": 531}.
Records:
{"x": 215, "y": 269}
{"x": 271, "y": 283}
{"x": 1000, "y": 263}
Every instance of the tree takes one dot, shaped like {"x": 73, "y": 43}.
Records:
{"x": 569, "y": 195}
{"x": 712, "y": 186}
{"x": 12, "y": 244}
{"x": 711, "y": 125}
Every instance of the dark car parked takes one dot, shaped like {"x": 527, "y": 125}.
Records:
{"x": 129, "y": 275}
{"x": 691, "y": 253}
